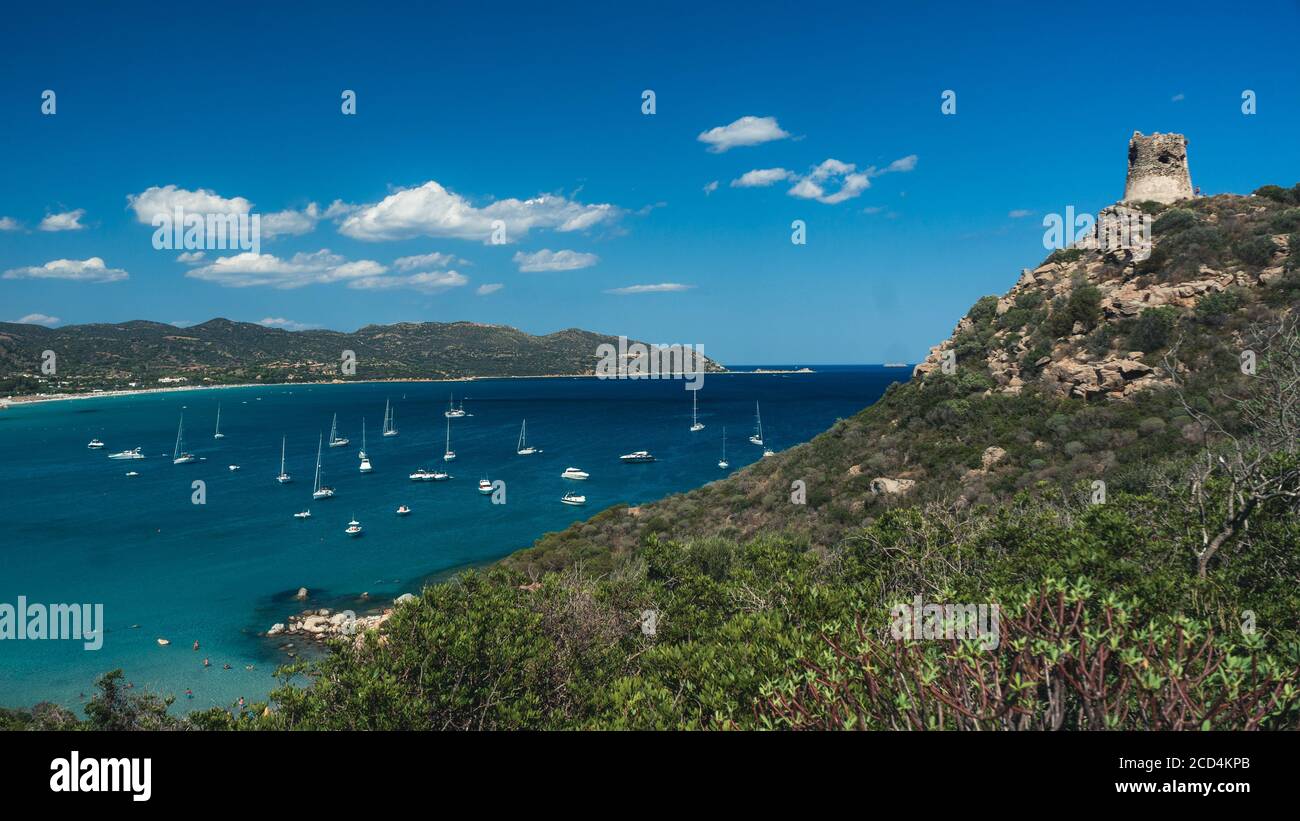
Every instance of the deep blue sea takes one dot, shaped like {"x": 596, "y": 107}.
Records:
{"x": 77, "y": 529}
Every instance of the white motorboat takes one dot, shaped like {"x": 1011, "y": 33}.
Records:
{"x": 132, "y": 473}
{"x": 574, "y": 499}
{"x": 574, "y": 473}
{"x": 353, "y": 528}
{"x": 233, "y": 468}
{"x": 422, "y": 475}
{"x": 95, "y": 444}
{"x": 133, "y": 453}
{"x": 636, "y": 456}
{"x": 403, "y": 510}
{"x": 306, "y": 514}
{"x": 484, "y": 485}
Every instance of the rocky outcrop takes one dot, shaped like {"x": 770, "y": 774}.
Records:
{"x": 884, "y": 486}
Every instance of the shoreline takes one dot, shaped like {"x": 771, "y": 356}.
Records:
{"x": 34, "y": 399}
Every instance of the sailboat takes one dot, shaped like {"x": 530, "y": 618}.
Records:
{"x": 365, "y": 460}
{"x": 335, "y": 441}
{"x": 449, "y": 454}
{"x": 179, "y": 456}
{"x": 453, "y": 412}
{"x": 218, "y": 434}
{"x": 390, "y": 429}
{"x": 723, "y": 463}
{"x": 319, "y": 491}
{"x": 283, "y": 478}
{"x": 523, "y": 448}
{"x": 757, "y": 438}
{"x": 695, "y": 422}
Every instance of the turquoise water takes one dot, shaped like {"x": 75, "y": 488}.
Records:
{"x": 79, "y": 530}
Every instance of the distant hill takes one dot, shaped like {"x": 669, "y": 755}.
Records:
{"x": 220, "y": 351}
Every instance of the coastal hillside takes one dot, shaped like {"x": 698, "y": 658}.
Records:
{"x": 220, "y": 351}
{"x": 1064, "y": 380}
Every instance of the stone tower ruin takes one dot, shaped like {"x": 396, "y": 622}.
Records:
{"x": 1157, "y": 169}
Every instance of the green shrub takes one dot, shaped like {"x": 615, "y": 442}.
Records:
{"x": 1152, "y": 329}
{"x": 1174, "y": 220}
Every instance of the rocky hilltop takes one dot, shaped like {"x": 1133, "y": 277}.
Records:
{"x": 1068, "y": 325}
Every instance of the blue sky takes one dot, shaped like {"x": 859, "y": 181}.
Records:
{"x": 532, "y": 113}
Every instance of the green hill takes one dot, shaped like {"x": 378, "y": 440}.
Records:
{"x": 220, "y": 351}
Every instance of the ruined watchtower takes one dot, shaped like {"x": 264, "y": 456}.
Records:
{"x": 1157, "y": 169}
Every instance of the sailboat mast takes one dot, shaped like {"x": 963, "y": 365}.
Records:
{"x": 282, "y": 440}
{"x": 316, "y": 485}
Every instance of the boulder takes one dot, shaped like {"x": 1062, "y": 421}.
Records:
{"x": 883, "y": 485}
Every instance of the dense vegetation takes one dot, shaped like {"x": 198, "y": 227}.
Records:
{"x": 1162, "y": 599}
{"x": 223, "y": 352}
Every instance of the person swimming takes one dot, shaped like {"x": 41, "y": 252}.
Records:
{"x": 196, "y": 645}
{"x": 207, "y": 663}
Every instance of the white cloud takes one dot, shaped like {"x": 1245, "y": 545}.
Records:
{"x": 745, "y": 131}
{"x": 489, "y": 288}
{"x": 548, "y": 260}
{"x": 429, "y": 282}
{"x": 761, "y": 177}
{"x": 434, "y": 260}
{"x": 431, "y": 210}
{"x": 711, "y": 187}
{"x": 87, "y": 270}
{"x": 663, "y": 287}
{"x": 1019, "y": 213}
{"x": 165, "y": 200}
{"x": 249, "y": 270}
{"x": 290, "y": 222}
{"x": 904, "y": 164}
{"x": 850, "y": 181}
{"x": 65, "y": 221}
{"x": 190, "y": 257}
{"x": 9, "y": 224}
{"x": 1178, "y": 98}
{"x": 38, "y": 319}
{"x": 286, "y": 324}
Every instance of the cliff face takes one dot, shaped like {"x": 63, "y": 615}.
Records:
{"x": 1069, "y": 324}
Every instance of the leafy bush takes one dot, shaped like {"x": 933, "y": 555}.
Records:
{"x": 1174, "y": 220}
{"x": 1215, "y": 306}
{"x": 1152, "y": 329}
